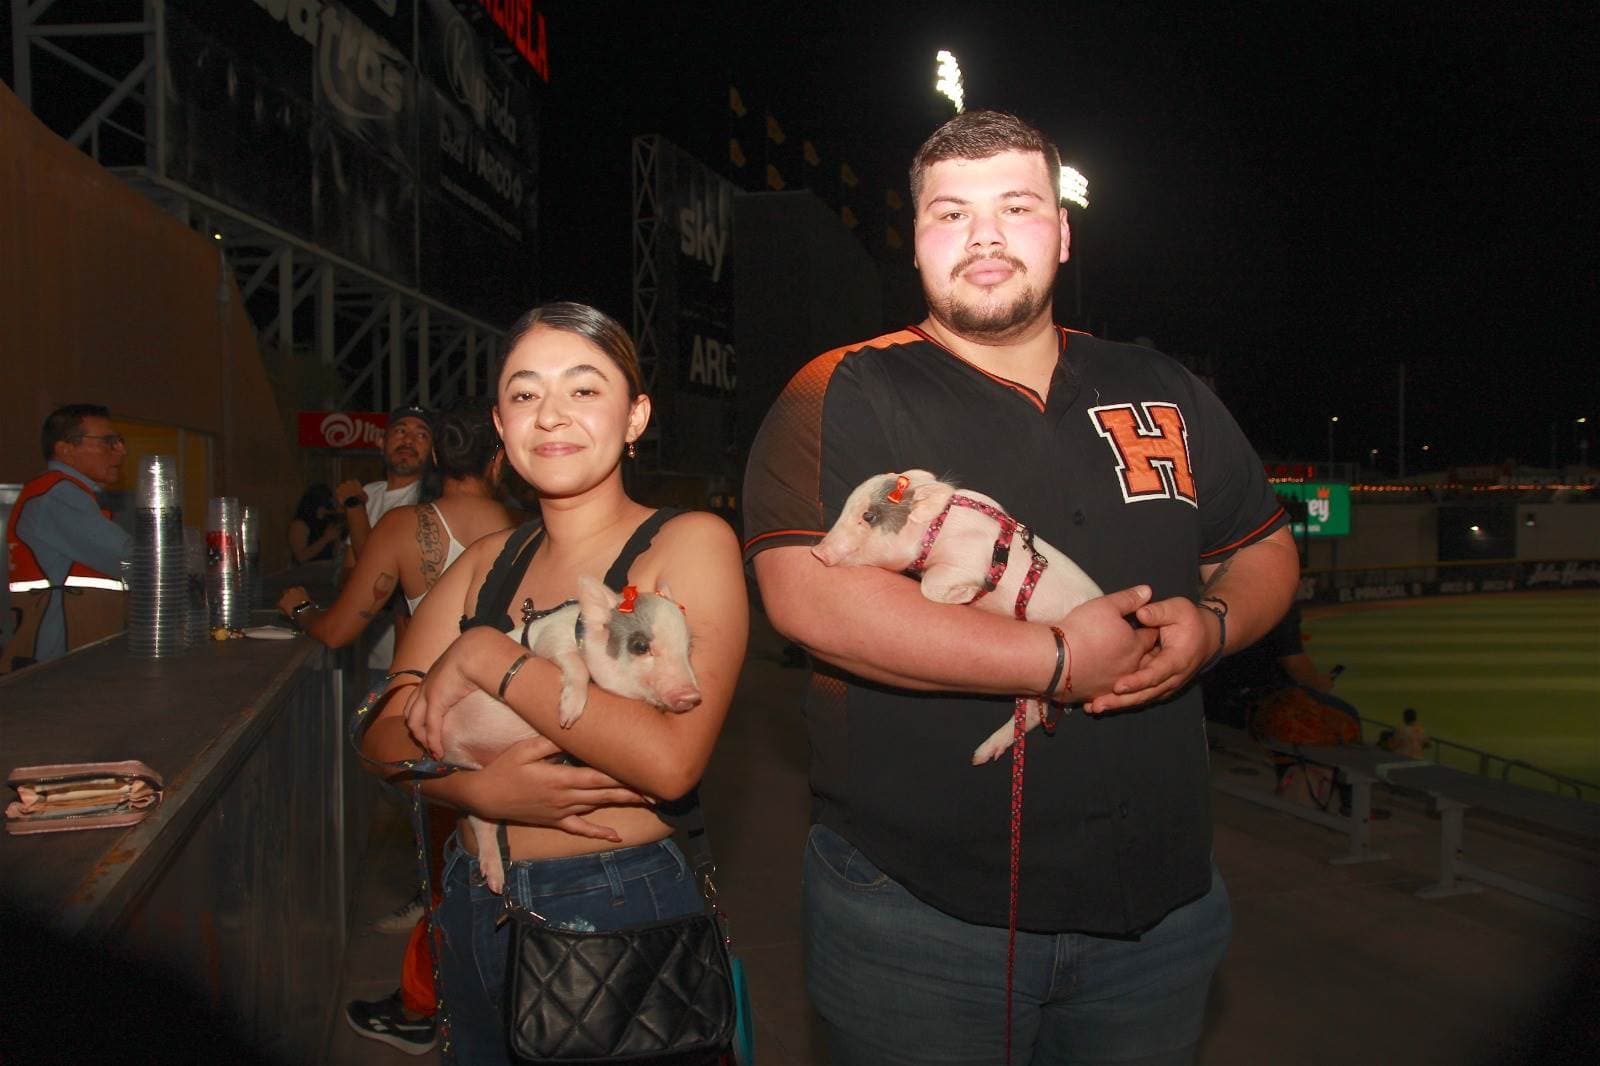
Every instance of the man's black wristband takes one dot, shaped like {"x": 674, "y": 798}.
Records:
{"x": 352, "y": 501}
{"x": 1218, "y": 607}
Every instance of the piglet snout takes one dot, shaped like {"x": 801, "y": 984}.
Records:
{"x": 680, "y": 698}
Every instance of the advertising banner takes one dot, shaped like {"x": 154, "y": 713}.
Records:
{"x": 478, "y": 130}
{"x": 344, "y": 430}
{"x": 1327, "y": 507}
{"x": 383, "y": 130}
{"x": 1460, "y": 579}
{"x": 698, "y": 372}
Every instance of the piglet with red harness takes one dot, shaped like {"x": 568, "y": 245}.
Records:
{"x": 960, "y": 545}
{"x": 633, "y": 644}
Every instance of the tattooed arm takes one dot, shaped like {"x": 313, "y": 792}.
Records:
{"x": 431, "y": 544}
{"x": 365, "y": 594}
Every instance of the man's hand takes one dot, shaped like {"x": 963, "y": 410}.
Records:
{"x": 1102, "y": 645}
{"x": 292, "y": 597}
{"x": 350, "y": 489}
{"x": 1187, "y": 635}
{"x": 520, "y": 786}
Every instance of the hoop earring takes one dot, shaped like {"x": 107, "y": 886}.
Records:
{"x": 633, "y": 453}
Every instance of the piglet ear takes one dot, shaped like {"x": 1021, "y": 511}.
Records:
{"x": 595, "y": 601}
{"x": 928, "y": 499}
{"x": 665, "y": 591}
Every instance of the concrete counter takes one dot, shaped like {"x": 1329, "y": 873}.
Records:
{"x": 237, "y": 881}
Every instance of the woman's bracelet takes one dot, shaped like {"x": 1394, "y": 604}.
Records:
{"x": 1219, "y": 607}
{"x": 1063, "y": 664}
{"x": 511, "y": 671}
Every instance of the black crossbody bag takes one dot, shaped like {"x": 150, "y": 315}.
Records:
{"x": 666, "y": 993}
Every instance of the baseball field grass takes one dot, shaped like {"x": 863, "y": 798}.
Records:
{"x": 1516, "y": 674}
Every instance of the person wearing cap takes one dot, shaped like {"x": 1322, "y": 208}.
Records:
{"x": 407, "y": 444}
{"x": 65, "y": 554}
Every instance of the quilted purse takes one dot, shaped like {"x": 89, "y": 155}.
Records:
{"x": 661, "y": 993}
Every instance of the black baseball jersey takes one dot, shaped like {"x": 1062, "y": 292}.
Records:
{"x": 1134, "y": 470}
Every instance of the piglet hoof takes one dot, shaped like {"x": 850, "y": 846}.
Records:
{"x": 571, "y": 705}
{"x": 994, "y": 747}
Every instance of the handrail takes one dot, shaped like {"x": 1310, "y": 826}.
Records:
{"x": 1488, "y": 759}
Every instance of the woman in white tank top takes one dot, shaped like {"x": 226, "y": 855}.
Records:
{"x": 413, "y": 546}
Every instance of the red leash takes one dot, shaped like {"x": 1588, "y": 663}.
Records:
{"x": 1018, "y": 744}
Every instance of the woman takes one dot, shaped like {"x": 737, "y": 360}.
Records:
{"x": 316, "y": 527}
{"x": 588, "y": 851}
{"x": 412, "y": 546}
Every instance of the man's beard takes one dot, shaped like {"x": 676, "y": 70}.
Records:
{"x": 397, "y": 466}
{"x": 991, "y": 322}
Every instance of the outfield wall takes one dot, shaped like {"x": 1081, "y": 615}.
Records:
{"x": 1413, "y": 534}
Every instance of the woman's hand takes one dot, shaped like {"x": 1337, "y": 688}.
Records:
{"x": 450, "y": 680}
{"x": 521, "y": 786}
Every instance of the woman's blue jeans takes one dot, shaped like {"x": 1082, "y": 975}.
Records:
{"x": 899, "y": 982}
{"x": 603, "y": 891}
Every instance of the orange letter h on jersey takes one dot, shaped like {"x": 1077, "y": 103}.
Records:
{"x": 1152, "y": 451}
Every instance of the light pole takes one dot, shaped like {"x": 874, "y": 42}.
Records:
{"x": 1331, "y": 422}
{"x": 948, "y": 80}
{"x": 1583, "y": 442}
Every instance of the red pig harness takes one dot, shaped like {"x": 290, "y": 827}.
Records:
{"x": 1009, "y": 527}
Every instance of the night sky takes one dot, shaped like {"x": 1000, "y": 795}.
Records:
{"x": 1301, "y": 197}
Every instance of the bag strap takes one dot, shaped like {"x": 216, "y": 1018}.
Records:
{"x": 494, "y": 597}
{"x": 617, "y": 576}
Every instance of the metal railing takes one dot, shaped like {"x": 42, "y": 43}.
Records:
{"x": 1490, "y": 764}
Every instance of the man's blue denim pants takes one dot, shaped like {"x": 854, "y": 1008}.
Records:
{"x": 899, "y": 982}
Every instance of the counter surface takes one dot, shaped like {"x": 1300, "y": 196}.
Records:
{"x": 188, "y": 717}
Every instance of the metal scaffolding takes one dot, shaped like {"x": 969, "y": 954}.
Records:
{"x": 647, "y": 227}
{"x": 92, "y": 80}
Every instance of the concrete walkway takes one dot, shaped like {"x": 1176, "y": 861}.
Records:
{"x": 1329, "y": 964}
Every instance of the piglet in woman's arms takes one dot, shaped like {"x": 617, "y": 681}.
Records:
{"x": 634, "y": 645}
{"x": 964, "y": 548}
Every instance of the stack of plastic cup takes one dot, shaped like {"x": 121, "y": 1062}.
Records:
{"x": 158, "y": 594}
{"x": 225, "y": 590}
{"x": 250, "y": 546}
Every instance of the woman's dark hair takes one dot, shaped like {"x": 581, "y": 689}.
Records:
{"x": 312, "y": 502}
{"x": 590, "y": 323}
{"x": 464, "y": 439}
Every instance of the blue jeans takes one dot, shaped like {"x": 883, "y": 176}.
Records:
{"x": 603, "y": 891}
{"x": 899, "y": 982}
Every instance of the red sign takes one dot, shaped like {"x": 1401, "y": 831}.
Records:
{"x": 524, "y": 28}
{"x": 345, "y": 430}
{"x": 1303, "y": 471}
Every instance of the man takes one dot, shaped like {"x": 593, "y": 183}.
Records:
{"x": 407, "y": 444}
{"x": 65, "y": 553}
{"x": 1126, "y": 463}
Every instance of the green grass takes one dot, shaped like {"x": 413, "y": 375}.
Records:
{"x": 1517, "y": 674}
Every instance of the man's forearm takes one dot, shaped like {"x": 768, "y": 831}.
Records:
{"x": 878, "y": 626}
{"x": 1258, "y": 584}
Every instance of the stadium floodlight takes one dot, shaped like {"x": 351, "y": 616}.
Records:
{"x": 1074, "y": 187}
{"x": 949, "y": 79}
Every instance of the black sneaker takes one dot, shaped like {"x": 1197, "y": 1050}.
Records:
{"x": 385, "y": 1020}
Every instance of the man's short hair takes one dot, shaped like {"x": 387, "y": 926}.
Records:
{"x": 980, "y": 135}
{"x": 65, "y": 423}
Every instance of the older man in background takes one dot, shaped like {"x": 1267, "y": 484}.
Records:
{"x": 65, "y": 555}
